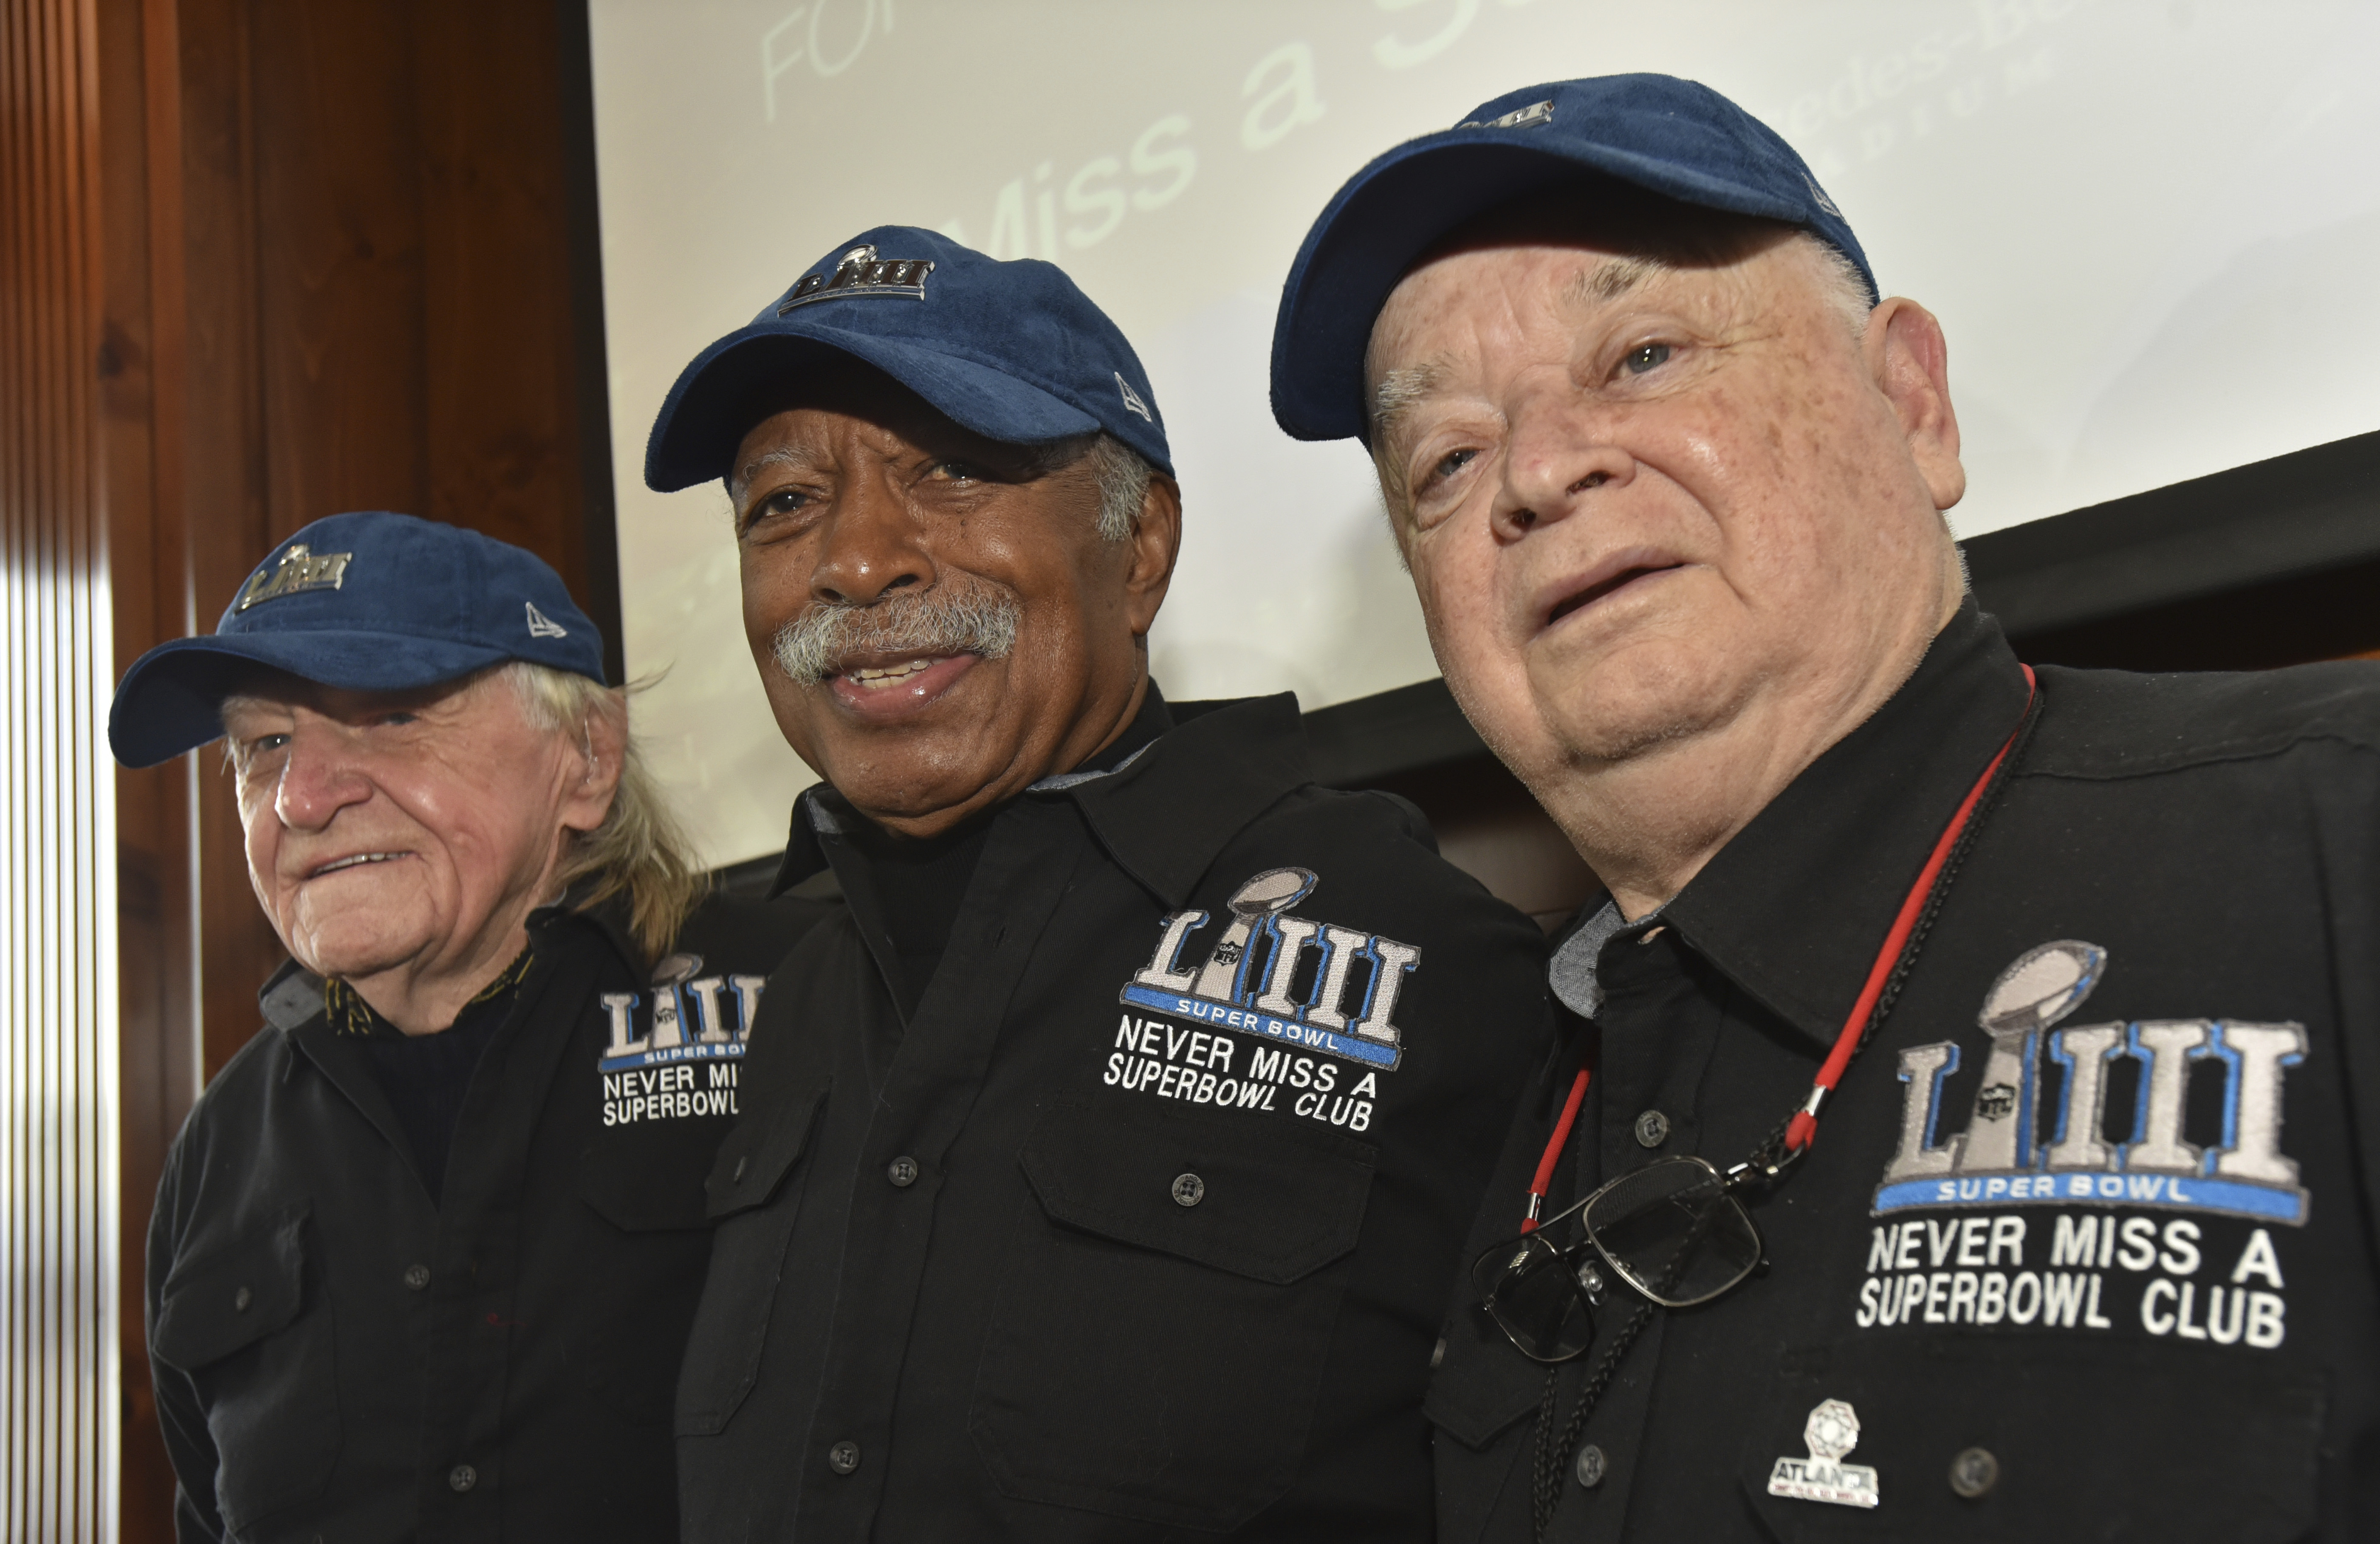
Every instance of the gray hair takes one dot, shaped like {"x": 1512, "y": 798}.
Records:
{"x": 1123, "y": 476}
{"x": 640, "y": 851}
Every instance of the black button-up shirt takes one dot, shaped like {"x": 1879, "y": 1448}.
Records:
{"x": 340, "y": 1355}
{"x": 2085, "y": 1248}
{"x": 1149, "y": 1228}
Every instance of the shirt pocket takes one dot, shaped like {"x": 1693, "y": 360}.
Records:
{"x": 249, "y": 1320}
{"x": 754, "y": 1207}
{"x": 1156, "y": 1348}
{"x": 2101, "y": 1442}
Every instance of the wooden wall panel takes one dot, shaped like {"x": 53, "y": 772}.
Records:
{"x": 337, "y": 267}
{"x": 141, "y": 374}
{"x": 502, "y": 421}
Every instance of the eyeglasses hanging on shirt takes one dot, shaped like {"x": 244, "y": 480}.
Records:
{"x": 1676, "y": 1232}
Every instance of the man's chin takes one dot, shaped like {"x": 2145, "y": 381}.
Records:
{"x": 1621, "y": 713}
{"x": 356, "y": 946}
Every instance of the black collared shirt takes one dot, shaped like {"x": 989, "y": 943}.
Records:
{"x": 2085, "y": 1248}
{"x": 1149, "y": 1229}
{"x": 341, "y": 1353}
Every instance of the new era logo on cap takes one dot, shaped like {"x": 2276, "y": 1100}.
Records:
{"x": 538, "y": 627}
{"x": 1132, "y": 402}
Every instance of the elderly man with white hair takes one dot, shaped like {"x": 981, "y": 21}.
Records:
{"x": 425, "y": 1254}
{"x": 1967, "y": 1128}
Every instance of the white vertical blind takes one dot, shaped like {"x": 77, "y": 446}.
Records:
{"x": 59, "y": 1280}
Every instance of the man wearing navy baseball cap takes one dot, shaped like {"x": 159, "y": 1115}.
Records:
{"x": 1837, "y": 1216}
{"x": 1101, "y": 1169}
{"x": 425, "y": 1252}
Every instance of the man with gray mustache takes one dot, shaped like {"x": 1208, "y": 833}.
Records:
{"x": 1103, "y": 1166}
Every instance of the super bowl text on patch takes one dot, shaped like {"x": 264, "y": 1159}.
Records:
{"x": 1315, "y": 985}
{"x": 1195, "y": 1066}
{"x": 679, "y": 1056}
{"x": 2107, "y": 1146}
{"x": 2090, "y": 1270}
{"x": 2019, "y": 1148}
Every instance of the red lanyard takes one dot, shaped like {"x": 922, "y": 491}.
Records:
{"x": 1803, "y": 1129}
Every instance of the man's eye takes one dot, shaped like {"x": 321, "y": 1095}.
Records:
{"x": 958, "y": 471}
{"x": 398, "y": 717}
{"x": 784, "y": 501}
{"x": 262, "y": 745}
{"x": 1451, "y": 463}
{"x": 1651, "y": 357}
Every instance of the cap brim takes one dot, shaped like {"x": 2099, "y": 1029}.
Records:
{"x": 713, "y": 404}
{"x": 171, "y": 700}
{"x": 1372, "y": 232}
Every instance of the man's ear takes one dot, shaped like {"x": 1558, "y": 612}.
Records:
{"x": 596, "y": 761}
{"x": 1156, "y": 541}
{"x": 1909, "y": 360}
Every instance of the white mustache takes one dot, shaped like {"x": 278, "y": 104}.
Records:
{"x": 956, "y": 616}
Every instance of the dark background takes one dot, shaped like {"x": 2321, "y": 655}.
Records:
{"x": 347, "y": 256}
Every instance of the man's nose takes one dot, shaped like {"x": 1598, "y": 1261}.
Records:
{"x": 320, "y": 776}
{"x": 871, "y": 545}
{"x": 1562, "y": 452}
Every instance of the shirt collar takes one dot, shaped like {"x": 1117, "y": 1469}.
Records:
{"x": 1795, "y": 907}
{"x": 1162, "y": 814}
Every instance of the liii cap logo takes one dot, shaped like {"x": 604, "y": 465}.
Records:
{"x": 297, "y": 571}
{"x": 861, "y": 273}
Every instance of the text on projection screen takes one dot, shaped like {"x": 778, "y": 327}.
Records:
{"x": 2144, "y": 226}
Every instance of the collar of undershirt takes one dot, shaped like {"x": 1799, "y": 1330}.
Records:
{"x": 1792, "y": 907}
{"x": 1162, "y": 811}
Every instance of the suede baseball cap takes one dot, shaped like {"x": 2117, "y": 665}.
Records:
{"x": 1674, "y": 137}
{"x": 369, "y": 602}
{"x": 1012, "y": 351}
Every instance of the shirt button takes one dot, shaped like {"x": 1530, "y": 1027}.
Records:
{"x": 843, "y": 1458}
{"x": 417, "y": 1276}
{"x": 1438, "y": 1353}
{"x": 241, "y": 1299}
{"x": 1652, "y": 1129}
{"x": 1188, "y": 1190}
{"x": 902, "y": 1172}
{"x": 462, "y": 1477}
{"x": 1591, "y": 1466}
{"x": 1974, "y": 1472}
{"x": 741, "y": 1164}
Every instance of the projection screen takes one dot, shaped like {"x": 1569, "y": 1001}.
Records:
{"x": 2146, "y": 229}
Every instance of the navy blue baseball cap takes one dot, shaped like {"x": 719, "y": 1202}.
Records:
{"x": 1012, "y": 351}
{"x": 369, "y": 602}
{"x": 1670, "y": 137}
